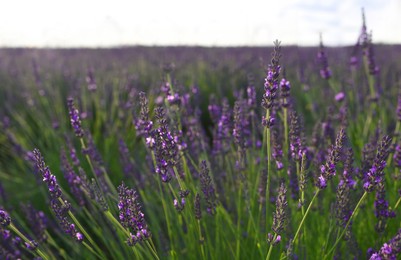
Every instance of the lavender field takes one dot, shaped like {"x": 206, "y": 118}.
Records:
{"x": 277, "y": 152}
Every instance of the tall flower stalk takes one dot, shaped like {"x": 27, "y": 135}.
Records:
{"x": 61, "y": 207}
{"x": 268, "y": 102}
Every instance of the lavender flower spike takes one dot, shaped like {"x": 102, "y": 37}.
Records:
{"x": 48, "y": 177}
{"x": 399, "y": 107}
{"x": 271, "y": 85}
{"x": 59, "y": 206}
{"x": 131, "y": 216}
{"x": 279, "y": 218}
{"x": 208, "y": 189}
{"x": 389, "y": 250}
{"x": 328, "y": 170}
{"x": 325, "y": 71}
{"x": 74, "y": 118}
{"x": 5, "y": 219}
{"x": 375, "y": 174}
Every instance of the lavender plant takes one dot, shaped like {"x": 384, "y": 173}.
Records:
{"x": 199, "y": 176}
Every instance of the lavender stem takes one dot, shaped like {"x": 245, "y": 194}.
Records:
{"x": 354, "y": 212}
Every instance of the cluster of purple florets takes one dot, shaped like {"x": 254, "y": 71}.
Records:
{"x": 131, "y": 216}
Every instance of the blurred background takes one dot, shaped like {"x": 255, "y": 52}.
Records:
{"x": 90, "y": 23}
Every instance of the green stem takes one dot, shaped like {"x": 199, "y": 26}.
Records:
{"x": 152, "y": 250}
{"x": 93, "y": 251}
{"x": 354, "y": 212}
{"x": 201, "y": 240}
{"x": 268, "y": 169}
{"x": 37, "y": 250}
{"x": 106, "y": 176}
{"x": 239, "y": 222}
{"x": 396, "y": 204}
{"x": 285, "y": 119}
{"x": 81, "y": 228}
{"x": 271, "y": 247}
{"x": 304, "y": 217}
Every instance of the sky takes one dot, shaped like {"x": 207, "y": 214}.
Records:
{"x": 91, "y": 23}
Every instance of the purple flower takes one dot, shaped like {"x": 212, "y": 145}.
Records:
{"x": 328, "y": 170}
{"x": 280, "y": 216}
{"x": 207, "y": 188}
{"x": 131, "y": 216}
{"x": 223, "y": 131}
{"x": 125, "y": 159}
{"x": 142, "y": 124}
{"x": 74, "y": 118}
{"x": 322, "y": 183}
{"x": 325, "y": 71}
{"x": 376, "y": 172}
{"x": 37, "y": 222}
{"x": 397, "y": 156}
{"x": 74, "y": 181}
{"x": 389, "y": 250}
{"x": 339, "y": 97}
{"x": 197, "y": 207}
{"x": 353, "y": 61}
{"x": 48, "y": 177}
{"x": 59, "y": 206}
{"x": 5, "y": 219}
{"x": 382, "y": 211}
{"x": 399, "y": 107}
{"x": 296, "y": 146}
{"x": 271, "y": 85}
{"x": 90, "y": 80}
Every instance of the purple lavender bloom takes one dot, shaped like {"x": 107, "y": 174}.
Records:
{"x": 363, "y": 37}
{"x": 382, "y": 211}
{"x": 214, "y": 109}
{"x": 339, "y": 96}
{"x": 208, "y": 189}
{"x": 397, "y": 156}
{"x": 262, "y": 186}
{"x": 59, "y": 206}
{"x": 271, "y": 85}
{"x": 37, "y": 221}
{"x": 389, "y": 250}
{"x": 61, "y": 210}
{"x": 285, "y": 87}
{"x": 293, "y": 180}
{"x": 164, "y": 145}
{"x": 90, "y": 80}
{"x": 376, "y": 172}
{"x": 369, "y": 52}
{"x": 277, "y": 149}
{"x": 223, "y": 131}
{"x": 73, "y": 153}
{"x": 197, "y": 207}
{"x": 74, "y": 181}
{"x": 353, "y": 61}
{"x": 48, "y": 177}
{"x": 296, "y": 147}
{"x": 328, "y": 170}
{"x": 131, "y": 216}
{"x": 74, "y": 118}
{"x": 143, "y": 125}
{"x": 349, "y": 171}
{"x": 279, "y": 218}
{"x": 325, "y": 71}
{"x": 251, "y": 93}
{"x": 399, "y": 107}
{"x": 5, "y": 219}
{"x": 128, "y": 166}
{"x": 322, "y": 183}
